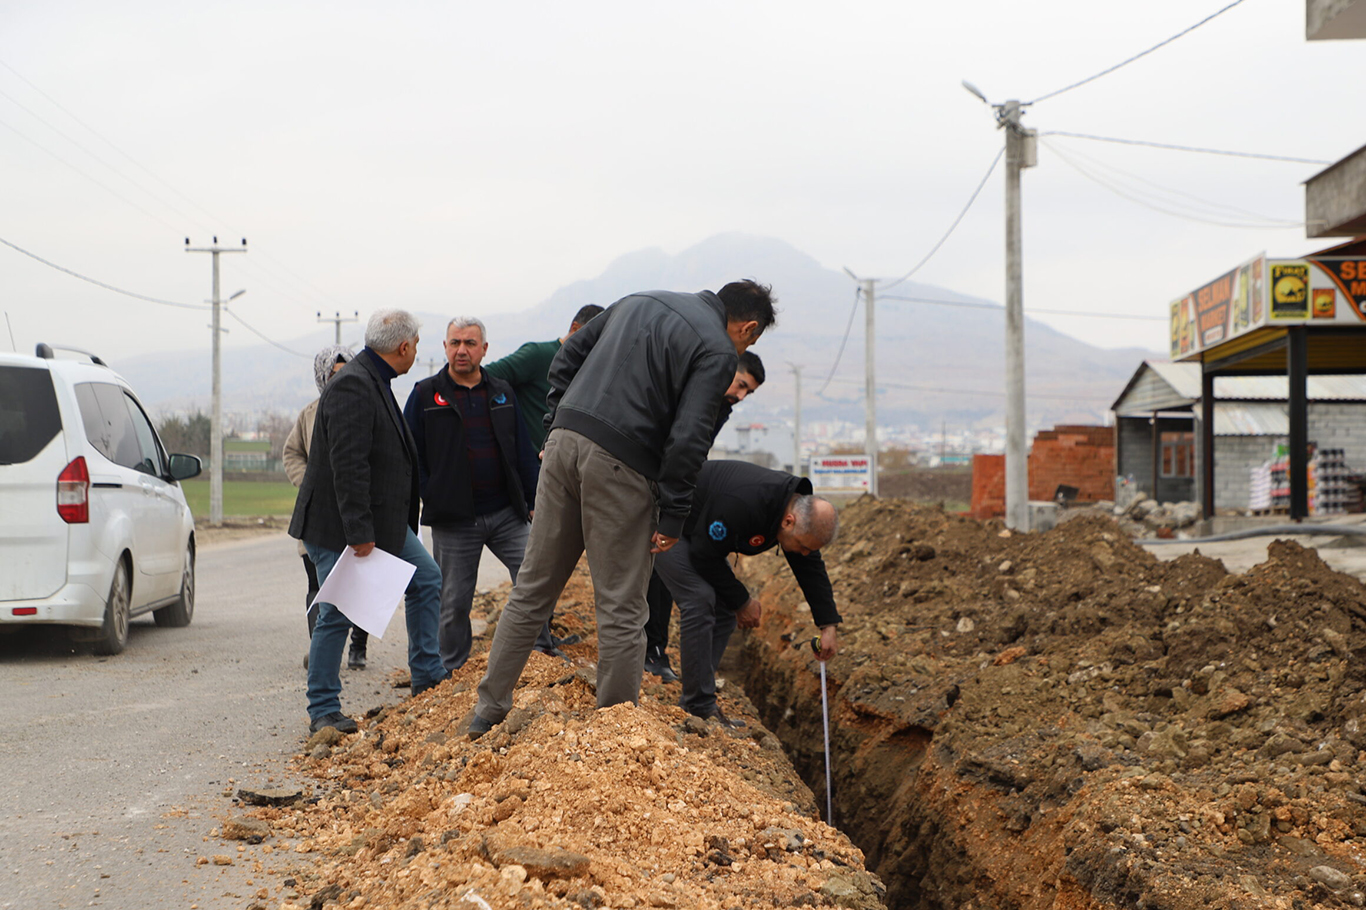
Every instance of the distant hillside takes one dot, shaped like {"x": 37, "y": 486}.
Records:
{"x": 934, "y": 363}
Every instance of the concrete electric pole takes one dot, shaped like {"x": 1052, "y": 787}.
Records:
{"x": 1021, "y": 152}
{"x": 869, "y": 377}
{"x": 870, "y": 383}
{"x": 338, "y": 318}
{"x": 216, "y": 415}
{"x": 797, "y": 420}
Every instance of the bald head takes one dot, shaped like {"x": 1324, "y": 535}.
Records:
{"x": 809, "y": 524}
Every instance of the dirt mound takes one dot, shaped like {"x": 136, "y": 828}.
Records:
{"x": 562, "y": 805}
{"x": 1060, "y": 719}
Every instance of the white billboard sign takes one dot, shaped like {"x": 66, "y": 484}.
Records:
{"x": 840, "y": 473}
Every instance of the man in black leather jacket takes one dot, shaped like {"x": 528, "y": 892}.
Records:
{"x": 633, "y": 400}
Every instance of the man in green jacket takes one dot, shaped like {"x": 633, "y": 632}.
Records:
{"x": 527, "y": 370}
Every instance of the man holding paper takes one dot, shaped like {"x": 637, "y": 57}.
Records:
{"x": 360, "y": 491}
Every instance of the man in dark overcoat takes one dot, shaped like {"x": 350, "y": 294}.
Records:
{"x": 361, "y": 491}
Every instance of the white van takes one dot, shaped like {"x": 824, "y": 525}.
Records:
{"x": 94, "y": 528}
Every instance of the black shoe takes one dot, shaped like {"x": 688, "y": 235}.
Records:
{"x": 722, "y": 719}
{"x": 357, "y": 658}
{"x": 659, "y": 666}
{"x": 566, "y": 641}
{"x": 479, "y": 726}
{"x": 419, "y": 688}
{"x": 556, "y": 652}
{"x": 337, "y": 719}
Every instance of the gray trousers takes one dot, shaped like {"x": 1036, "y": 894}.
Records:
{"x": 704, "y": 628}
{"x": 586, "y": 500}
{"x": 457, "y": 548}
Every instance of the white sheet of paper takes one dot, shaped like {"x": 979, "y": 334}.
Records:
{"x": 367, "y": 589}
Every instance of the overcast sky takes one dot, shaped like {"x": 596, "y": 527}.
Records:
{"x": 461, "y": 157}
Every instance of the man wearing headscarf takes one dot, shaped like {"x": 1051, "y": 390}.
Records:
{"x": 327, "y": 362}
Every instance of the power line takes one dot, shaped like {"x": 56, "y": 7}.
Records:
{"x": 136, "y": 296}
{"x": 991, "y": 306}
{"x": 1104, "y": 72}
{"x": 971, "y": 200}
{"x": 258, "y": 334}
{"x": 1215, "y": 207}
{"x": 998, "y": 393}
{"x": 256, "y": 271}
{"x": 843, "y": 341}
{"x": 113, "y": 192}
{"x": 1157, "y": 208}
{"x": 107, "y": 287}
{"x": 1187, "y": 148}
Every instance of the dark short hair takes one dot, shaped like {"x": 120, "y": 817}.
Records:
{"x": 751, "y": 364}
{"x": 585, "y": 313}
{"x": 746, "y": 300}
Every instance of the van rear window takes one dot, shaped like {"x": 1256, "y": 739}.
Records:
{"x": 28, "y": 413}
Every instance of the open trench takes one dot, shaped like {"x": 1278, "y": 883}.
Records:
{"x": 944, "y": 831}
{"x": 885, "y": 798}
{"x": 1062, "y": 722}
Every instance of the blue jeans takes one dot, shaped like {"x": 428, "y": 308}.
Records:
{"x": 421, "y": 608}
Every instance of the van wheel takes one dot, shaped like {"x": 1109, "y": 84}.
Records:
{"x": 114, "y": 634}
{"x": 181, "y": 612}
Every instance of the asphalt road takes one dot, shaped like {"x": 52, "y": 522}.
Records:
{"x": 115, "y": 769}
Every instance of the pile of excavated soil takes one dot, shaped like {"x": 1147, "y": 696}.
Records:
{"x": 1061, "y": 720}
{"x": 560, "y": 806}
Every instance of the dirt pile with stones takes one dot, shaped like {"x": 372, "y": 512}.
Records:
{"x": 1062, "y": 720}
{"x": 561, "y": 806}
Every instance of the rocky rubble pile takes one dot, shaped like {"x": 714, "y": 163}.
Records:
{"x": 1142, "y": 516}
{"x": 561, "y": 806}
{"x": 1062, "y": 720}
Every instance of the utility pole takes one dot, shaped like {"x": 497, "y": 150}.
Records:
{"x": 1021, "y": 152}
{"x": 338, "y": 318}
{"x": 797, "y": 421}
{"x": 870, "y": 383}
{"x": 216, "y": 415}
{"x": 869, "y": 377}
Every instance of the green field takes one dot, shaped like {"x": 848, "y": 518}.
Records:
{"x": 241, "y": 498}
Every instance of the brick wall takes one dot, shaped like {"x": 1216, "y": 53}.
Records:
{"x": 988, "y": 486}
{"x": 1075, "y": 456}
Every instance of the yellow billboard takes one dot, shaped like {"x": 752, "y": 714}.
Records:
{"x": 1319, "y": 290}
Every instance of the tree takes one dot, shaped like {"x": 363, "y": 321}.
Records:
{"x": 186, "y": 435}
{"x": 276, "y": 428}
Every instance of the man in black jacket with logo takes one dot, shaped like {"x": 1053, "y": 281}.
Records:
{"x": 740, "y": 507}
{"x": 633, "y": 400}
{"x": 478, "y": 474}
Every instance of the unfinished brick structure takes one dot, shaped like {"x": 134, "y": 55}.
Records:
{"x": 1076, "y": 456}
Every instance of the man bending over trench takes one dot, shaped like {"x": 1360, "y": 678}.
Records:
{"x": 740, "y": 507}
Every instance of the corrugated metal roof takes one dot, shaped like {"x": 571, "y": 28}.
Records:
{"x": 1145, "y": 392}
{"x": 1236, "y": 418}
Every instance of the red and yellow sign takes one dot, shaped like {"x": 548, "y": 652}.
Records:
{"x": 1268, "y": 292}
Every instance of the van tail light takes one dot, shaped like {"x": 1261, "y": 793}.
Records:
{"x": 73, "y": 492}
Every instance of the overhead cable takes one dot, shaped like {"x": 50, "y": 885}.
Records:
{"x": 1157, "y": 208}
{"x": 1105, "y": 72}
{"x": 1031, "y": 310}
{"x": 1219, "y": 209}
{"x": 95, "y": 180}
{"x": 107, "y": 287}
{"x": 971, "y": 200}
{"x": 251, "y": 267}
{"x": 1187, "y": 148}
{"x": 259, "y": 334}
{"x": 996, "y": 393}
{"x": 843, "y": 341}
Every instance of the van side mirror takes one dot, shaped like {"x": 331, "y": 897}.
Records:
{"x": 183, "y": 467}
